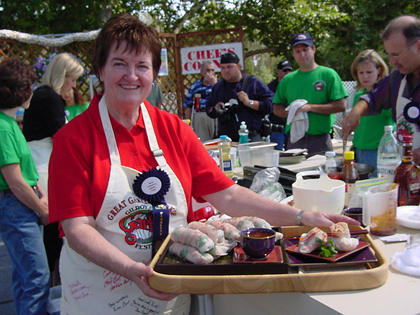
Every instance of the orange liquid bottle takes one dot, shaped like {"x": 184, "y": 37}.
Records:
{"x": 349, "y": 175}
{"x": 407, "y": 176}
{"x": 331, "y": 166}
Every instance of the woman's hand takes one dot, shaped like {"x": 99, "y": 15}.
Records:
{"x": 139, "y": 274}
{"x": 325, "y": 219}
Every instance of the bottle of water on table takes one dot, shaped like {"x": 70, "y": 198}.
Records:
{"x": 389, "y": 155}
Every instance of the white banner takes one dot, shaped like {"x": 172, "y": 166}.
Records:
{"x": 192, "y": 57}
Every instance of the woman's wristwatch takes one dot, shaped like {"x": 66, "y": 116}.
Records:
{"x": 299, "y": 217}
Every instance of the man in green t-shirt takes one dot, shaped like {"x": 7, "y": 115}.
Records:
{"x": 319, "y": 94}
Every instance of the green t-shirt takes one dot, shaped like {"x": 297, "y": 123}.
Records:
{"x": 371, "y": 128}
{"x": 14, "y": 149}
{"x": 155, "y": 96}
{"x": 73, "y": 111}
{"x": 319, "y": 86}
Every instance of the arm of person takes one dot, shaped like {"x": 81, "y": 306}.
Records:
{"x": 13, "y": 175}
{"x": 216, "y": 111}
{"x": 352, "y": 120}
{"x": 244, "y": 98}
{"x": 188, "y": 103}
{"x": 240, "y": 201}
{"x": 326, "y": 109}
{"x": 280, "y": 110}
{"x": 83, "y": 238}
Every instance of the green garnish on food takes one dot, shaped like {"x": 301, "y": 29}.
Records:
{"x": 326, "y": 249}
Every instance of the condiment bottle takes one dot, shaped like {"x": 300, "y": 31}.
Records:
{"x": 331, "y": 165}
{"x": 349, "y": 175}
{"x": 407, "y": 176}
{"x": 197, "y": 98}
{"x": 389, "y": 155}
{"x": 243, "y": 133}
{"x": 225, "y": 159}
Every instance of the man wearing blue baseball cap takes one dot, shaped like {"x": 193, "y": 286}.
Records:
{"x": 309, "y": 97}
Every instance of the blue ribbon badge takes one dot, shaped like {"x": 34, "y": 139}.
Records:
{"x": 152, "y": 186}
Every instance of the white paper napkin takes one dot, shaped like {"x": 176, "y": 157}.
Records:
{"x": 408, "y": 261}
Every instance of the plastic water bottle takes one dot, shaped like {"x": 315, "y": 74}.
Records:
{"x": 243, "y": 133}
{"x": 331, "y": 165}
{"x": 225, "y": 159}
{"x": 389, "y": 155}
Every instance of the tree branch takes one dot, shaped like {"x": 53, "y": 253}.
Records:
{"x": 188, "y": 14}
{"x": 259, "y": 51}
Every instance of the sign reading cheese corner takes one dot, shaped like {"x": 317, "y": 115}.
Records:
{"x": 192, "y": 57}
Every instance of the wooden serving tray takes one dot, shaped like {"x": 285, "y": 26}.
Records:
{"x": 373, "y": 275}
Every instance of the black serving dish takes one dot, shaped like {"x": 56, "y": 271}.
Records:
{"x": 225, "y": 265}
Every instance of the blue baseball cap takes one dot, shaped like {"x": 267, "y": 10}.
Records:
{"x": 301, "y": 38}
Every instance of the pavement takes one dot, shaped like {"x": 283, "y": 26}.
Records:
{"x": 6, "y": 299}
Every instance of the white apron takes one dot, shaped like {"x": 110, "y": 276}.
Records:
{"x": 41, "y": 152}
{"x": 403, "y": 126}
{"x": 90, "y": 289}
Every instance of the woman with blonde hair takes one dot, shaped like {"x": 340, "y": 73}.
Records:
{"x": 367, "y": 69}
{"x": 41, "y": 121}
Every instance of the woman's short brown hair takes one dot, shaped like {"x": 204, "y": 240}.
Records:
{"x": 16, "y": 81}
{"x": 139, "y": 37}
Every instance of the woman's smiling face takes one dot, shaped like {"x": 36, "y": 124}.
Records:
{"x": 127, "y": 76}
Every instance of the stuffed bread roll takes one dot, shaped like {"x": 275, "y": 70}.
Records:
{"x": 341, "y": 237}
{"x": 214, "y": 233}
{"x": 229, "y": 230}
{"x": 191, "y": 237}
{"x": 310, "y": 241}
{"x": 190, "y": 253}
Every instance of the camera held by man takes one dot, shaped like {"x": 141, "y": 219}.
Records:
{"x": 225, "y": 111}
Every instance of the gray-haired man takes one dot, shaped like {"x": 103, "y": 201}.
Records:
{"x": 195, "y": 103}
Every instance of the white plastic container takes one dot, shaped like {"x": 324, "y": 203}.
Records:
{"x": 321, "y": 194}
{"x": 258, "y": 153}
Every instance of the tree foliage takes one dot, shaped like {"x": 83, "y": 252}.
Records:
{"x": 340, "y": 28}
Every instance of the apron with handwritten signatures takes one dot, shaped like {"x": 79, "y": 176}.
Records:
{"x": 125, "y": 221}
{"x": 403, "y": 126}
